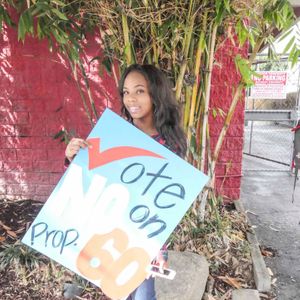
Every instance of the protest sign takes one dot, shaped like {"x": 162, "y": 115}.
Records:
{"x": 115, "y": 206}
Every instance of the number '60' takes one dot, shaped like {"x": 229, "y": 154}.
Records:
{"x": 109, "y": 269}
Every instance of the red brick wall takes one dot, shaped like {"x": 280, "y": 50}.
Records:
{"x": 224, "y": 82}
{"x": 38, "y": 94}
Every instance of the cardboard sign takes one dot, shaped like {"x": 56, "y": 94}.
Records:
{"x": 271, "y": 85}
{"x": 115, "y": 206}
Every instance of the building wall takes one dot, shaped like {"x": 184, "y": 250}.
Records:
{"x": 225, "y": 79}
{"x": 38, "y": 95}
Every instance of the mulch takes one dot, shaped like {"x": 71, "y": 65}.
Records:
{"x": 15, "y": 218}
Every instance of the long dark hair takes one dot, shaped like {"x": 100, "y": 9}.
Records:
{"x": 167, "y": 117}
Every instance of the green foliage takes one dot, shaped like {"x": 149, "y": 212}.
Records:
{"x": 5, "y": 17}
{"x": 19, "y": 255}
{"x": 245, "y": 70}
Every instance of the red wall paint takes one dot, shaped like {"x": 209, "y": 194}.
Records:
{"x": 38, "y": 95}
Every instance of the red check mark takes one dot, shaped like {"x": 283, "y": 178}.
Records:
{"x": 97, "y": 158}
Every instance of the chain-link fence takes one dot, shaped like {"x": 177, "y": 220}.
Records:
{"x": 271, "y": 142}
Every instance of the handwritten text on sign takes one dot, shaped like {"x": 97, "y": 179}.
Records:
{"x": 115, "y": 206}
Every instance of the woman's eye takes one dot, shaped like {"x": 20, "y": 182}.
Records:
{"x": 140, "y": 91}
{"x": 125, "y": 92}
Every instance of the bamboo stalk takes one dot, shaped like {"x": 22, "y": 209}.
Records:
{"x": 87, "y": 85}
{"x": 74, "y": 71}
{"x": 127, "y": 45}
{"x": 197, "y": 76}
{"x": 186, "y": 47}
{"x": 207, "y": 96}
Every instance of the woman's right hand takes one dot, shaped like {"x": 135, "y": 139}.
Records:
{"x": 74, "y": 146}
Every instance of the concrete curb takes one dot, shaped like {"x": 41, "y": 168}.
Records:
{"x": 262, "y": 277}
{"x": 245, "y": 294}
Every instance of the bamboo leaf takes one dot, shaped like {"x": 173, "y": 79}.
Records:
{"x": 107, "y": 64}
{"x": 285, "y": 35}
{"x": 214, "y": 113}
{"x": 21, "y": 28}
{"x": 59, "y": 14}
{"x": 289, "y": 44}
{"x": 59, "y": 3}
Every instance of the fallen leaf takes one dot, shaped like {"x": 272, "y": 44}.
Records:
{"x": 12, "y": 233}
{"x": 4, "y": 226}
{"x": 270, "y": 272}
{"x": 227, "y": 295}
{"x": 266, "y": 253}
{"x": 231, "y": 281}
{"x": 2, "y": 239}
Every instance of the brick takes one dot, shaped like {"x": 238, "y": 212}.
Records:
{"x": 30, "y": 105}
{"x": 8, "y": 155}
{"x": 39, "y": 155}
{"x": 235, "y": 130}
{"x": 24, "y": 154}
{"x": 21, "y": 105}
{"x": 23, "y": 130}
{"x": 44, "y": 190}
{"x": 48, "y": 166}
{"x": 21, "y": 117}
{"x": 17, "y": 166}
{"x": 31, "y": 154}
{"x": 21, "y": 189}
{"x": 233, "y": 143}
{"x": 7, "y": 130}
{"x": 58, "y": 154}
{"x": 2, "y": 189}
{"x": 14, "y": 197}
{"x": 229, "y": 168}
{"x": 15, "y": 142}
{"x": 234, "y": 169}
{"x": 231, "y": 194}
{"x": 233, "y": 156}
{"x": 229, "y": 182}
{"x": 220, "y": 169}
{"x": 8, "y": 177}
{"x": 54, "y": 178}
{"x": 215, "y": 129}
{"x": 39, "y": 178}
{"x": 44, "y": 142}
{"x": 39, "y": 198}
{"x": 238, "y": 117}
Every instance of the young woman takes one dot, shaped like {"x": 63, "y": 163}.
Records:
{"x": 148, "y": 102}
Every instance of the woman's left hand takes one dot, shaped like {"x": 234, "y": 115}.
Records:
{"x": 161, "y": 259}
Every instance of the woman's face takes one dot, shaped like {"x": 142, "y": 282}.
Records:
{"x": 136, "y": 97}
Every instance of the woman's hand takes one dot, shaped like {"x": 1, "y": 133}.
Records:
{"x": 161, "y": 259}
{"x": 74, "y": 146}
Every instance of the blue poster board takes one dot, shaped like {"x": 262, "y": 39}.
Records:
{"x": 115, "y": 206}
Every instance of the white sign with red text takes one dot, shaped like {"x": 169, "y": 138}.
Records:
{"x": 270, "y": 85}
